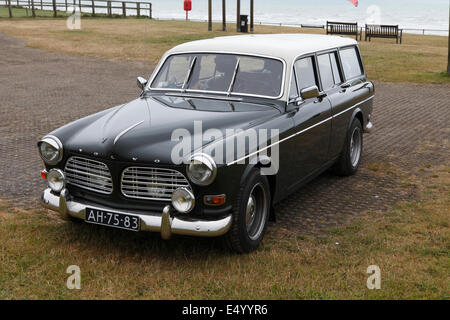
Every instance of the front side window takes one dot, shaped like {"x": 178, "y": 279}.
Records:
{"x": 350, "y": 63}
{"x": 221, "y": 73}
{"x": 304, "y": 70}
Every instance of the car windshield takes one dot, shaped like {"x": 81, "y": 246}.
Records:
{"x": 220, "y": 73}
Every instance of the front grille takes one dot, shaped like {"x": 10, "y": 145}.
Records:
{"x": 89, "y": 174}
{"x": 152, "y": 183}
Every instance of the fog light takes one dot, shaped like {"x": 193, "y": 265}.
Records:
{"x": 44, "y": 174}
{"x": 214, "y": 200}
{"x": 56, "y": 180}
{"x": 183, "y": 200}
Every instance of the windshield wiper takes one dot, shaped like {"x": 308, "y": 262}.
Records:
{"x": 234, "y": 77}
{"x": 188, "y": 76}
{"x": 188, "y": 94}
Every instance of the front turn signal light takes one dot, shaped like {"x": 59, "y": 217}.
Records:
{"x": 214, "y": 200}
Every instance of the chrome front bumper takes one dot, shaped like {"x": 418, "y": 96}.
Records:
{"x": 165, "y": 223}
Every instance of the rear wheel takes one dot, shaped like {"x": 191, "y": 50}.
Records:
{"x": 350, "y": 157}
{"x": 250, "y": 214}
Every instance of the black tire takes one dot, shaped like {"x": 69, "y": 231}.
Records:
{"x": 239, "y": 238}
{"x": 347, "y": 163}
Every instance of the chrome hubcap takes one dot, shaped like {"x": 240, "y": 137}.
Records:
{"x": 250, "y": 213}
{"x": 256, "y": 212}
{"x": 355, "y": 147}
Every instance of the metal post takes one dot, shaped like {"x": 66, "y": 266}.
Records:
{"x": 448, "y": 64}
{"x": 238, "y": 16}
{"x": 138, "y": 9}
{"x": 66, "y": 4}
{"x": 42, "y": 7}
{"x": 54, "y": 8}
{"x": 150, "y": 11}
{"x": 33, "y": 13}
{"x": 109, "y": 9}
{"x": 209, "y": 15}
{"x": 251, "y": 15}
{"x": 9, "y": 9}
{"x": 26, "y": 8}
{"x": 93, "y": 8}
{"x": 224, "y": 16}
{"x": 124, "y": 9}
{"x": 79, "y": 6}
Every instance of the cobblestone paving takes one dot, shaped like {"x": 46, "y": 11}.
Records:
{"x": 41, "y": 91}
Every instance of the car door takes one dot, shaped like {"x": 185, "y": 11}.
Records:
{"x": 331, "y": 80}
{"x": 312, "y": 127}
{"x": 352, "y": 91}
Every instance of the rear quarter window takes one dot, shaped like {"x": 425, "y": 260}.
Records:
{"x": 350, "y": 62}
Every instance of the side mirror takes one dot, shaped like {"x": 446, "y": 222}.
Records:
{"x": 310, "y": 92}
{"x": 141, "y": 83}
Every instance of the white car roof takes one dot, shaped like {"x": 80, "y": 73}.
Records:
{"x": 284, "y": 46}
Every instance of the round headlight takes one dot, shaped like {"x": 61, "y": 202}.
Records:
{"x": 183, "y": 200}
{"x": 56, "y": 180}
{"x": 202, "y": 169}
{"x": 50, "y": 149}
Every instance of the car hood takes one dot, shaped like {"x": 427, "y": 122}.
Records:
{"x": 145, "y": 129}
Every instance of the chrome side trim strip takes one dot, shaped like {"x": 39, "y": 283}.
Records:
{"x": 279, "y": 141}
{"x": 299, "y": 132}
{"x": 348, "y": 109}
{"x": 126, "y": 130}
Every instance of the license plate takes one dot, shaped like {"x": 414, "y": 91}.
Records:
{"x": 112, "y": 219}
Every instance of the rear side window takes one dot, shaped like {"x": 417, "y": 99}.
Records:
{"x": 326, "y": 74}
{"x": 304, "y": 69}
{"x": 336, "y": 73}
{"x": 350, "y": 62}
{"x": 329, "y": 70}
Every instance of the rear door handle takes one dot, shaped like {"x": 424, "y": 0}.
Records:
{"x": 344, "y": 87}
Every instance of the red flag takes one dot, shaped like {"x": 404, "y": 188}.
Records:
{"x": 355, "y": 2}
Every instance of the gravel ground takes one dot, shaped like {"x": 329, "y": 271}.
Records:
{"x": 41, "y": 91}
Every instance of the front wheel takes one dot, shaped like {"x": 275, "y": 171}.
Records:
{"x": 350, "y": 157}
{"x": 250, "y": 214}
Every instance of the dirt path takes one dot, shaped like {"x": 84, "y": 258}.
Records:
{"x": 41, "y": 91}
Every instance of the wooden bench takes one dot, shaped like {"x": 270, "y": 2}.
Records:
{"x": 345, "y": 28}
{"x": 384, "y": 31}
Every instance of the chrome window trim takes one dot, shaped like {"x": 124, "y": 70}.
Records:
{"x": 299, "y": 132}
{"x": 333, "y": 49}
{"x": 149, "y": 198}
{"x": 161, "y": 63}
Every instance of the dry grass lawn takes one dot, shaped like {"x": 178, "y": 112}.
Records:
{"x": 418, "y": 59}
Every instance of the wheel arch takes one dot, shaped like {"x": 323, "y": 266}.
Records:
{"x": 357, "y": 113}
{"x": 262, "y": 162}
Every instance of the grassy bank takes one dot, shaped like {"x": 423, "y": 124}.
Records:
{"x": 410, "y": 244}
{"x": 421, "y": 59}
